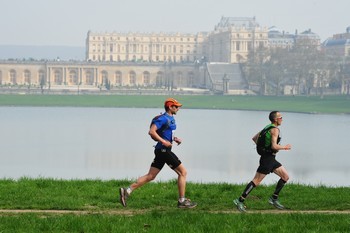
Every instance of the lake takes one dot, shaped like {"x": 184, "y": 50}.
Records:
{"x": 113, "y": 143}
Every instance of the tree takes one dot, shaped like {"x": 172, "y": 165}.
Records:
{"x": 255, "y": 69}
{"x": 42, "y": 84}
{"x": 276, "y": 68}
{"x": 108, "y": 84}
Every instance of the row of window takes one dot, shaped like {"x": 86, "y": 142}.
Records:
{"x": 89, "y": 79}
{"x": 249, "y": 35}
{"x": 136, "y": 48}
{"x": 141, "y": 58}
{"x": 118, "y": 38}
{"x": 27, "y": 76}
{"x": 181, "y": 39}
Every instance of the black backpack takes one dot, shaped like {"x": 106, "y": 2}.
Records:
{"x": 260, "y": 144}
{"x": 161, "y": 130}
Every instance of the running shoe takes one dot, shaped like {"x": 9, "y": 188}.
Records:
{"x": 186, "y": 204}
{"x": 276, "y": 203}
{"x": 240, "y": 205}
{"x": 123, "y": 196}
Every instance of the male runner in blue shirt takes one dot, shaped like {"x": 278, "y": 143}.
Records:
{"x": 161, "y": 130}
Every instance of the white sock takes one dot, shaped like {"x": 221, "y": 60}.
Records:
{"x": 182, "y": 199}
{"x": 128, "y": 190}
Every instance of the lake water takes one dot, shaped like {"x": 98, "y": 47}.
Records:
{"x": 113, "y": 143}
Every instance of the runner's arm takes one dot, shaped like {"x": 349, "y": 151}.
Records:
{"x": 153, "y": 133}
{"x": 274, "y": 145}
{"x": 255, "y": 138}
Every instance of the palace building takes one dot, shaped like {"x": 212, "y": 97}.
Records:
{"x": 234, "y": 37}
{"x": 339, "y": 44}
{"x": 90, "y": 75}
{"x": 142, "y": 47}
{"x": 230, "y": 42}
{"x": 207, "y": 60}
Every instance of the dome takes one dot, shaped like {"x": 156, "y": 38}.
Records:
{"x": 274, "y": 29}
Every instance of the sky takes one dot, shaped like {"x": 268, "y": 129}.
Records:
{"x": 66, "y": 22}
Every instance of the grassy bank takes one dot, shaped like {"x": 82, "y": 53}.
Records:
{"x": 179, "y": 222}
{"x": 304, "y": 104}
{"x": 153, "y": 208}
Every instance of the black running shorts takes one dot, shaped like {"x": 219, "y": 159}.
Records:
{"x": 268, "y": 164}
{"x": 165, "y": 156}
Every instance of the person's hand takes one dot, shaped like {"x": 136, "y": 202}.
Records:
{"x": 166, "y": 143}
{"x": 288, "y": 147}
{"x": 177, "y": 140}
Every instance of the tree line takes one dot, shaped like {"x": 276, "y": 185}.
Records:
{"x": 306, "y": 68}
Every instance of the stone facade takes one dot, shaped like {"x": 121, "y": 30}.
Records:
{"x": 230, "y": 42}
{"x": 142, "y": 47}
{"x": 278, "y": 39}
{"x": 91, "y": 74}
{"x": 233, "y": 39}
{"x": 143, "y": 59}
{"x": 339, "y": 44}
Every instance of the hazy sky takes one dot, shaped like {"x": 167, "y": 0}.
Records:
{"x": 66, "y": 22}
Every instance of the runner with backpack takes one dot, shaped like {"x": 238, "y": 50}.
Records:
{"x": 267, "y": 141}
{"x": 161, "y": 130}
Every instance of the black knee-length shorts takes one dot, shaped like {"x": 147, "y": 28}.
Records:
{"x": 268, "y": 164}
{"x": 165, "y": 156}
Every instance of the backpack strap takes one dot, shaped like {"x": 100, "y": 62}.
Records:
{"x": 264, "y": 131}
{"x": 261, "y": 149}
{"x": 164, "y": 126}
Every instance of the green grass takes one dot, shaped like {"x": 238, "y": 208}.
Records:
{"x": 177, "y": 221}
{"x": 303, "y": 104}
{"x": 152, "y": 208}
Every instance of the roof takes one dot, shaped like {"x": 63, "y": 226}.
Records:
{"x": 274, "y": 29}
{"x": 231, "y": 72}
{"x": 336, "y": 42}
{"x": 238, "y": 22}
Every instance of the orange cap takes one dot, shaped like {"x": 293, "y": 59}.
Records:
{"x": 170, "y": 101}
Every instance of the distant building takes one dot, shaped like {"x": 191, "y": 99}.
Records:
{"x": 230, "y": 42}
{"x": 90, "y": 75}
{"x": 339, "y": 44}
{"x": 158, "y": 61}
{"x": 345, "y": 35}
{"x": 234, "y": 37}
{"x": 309, "y": 37}
{"x": 144, "y": 47}
{"x": 278, "y": 39}
{"x": 281, "y": 39}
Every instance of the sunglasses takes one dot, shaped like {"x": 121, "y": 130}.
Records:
{"x": 279, "y": 118}
{"x": 175, "y": 106}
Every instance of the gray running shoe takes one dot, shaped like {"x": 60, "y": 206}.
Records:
{"x": 186, "y": 204}
{"x": 276, "y": 203}
{"x": 240, "y": 205}
{"x": 123, "y": 196}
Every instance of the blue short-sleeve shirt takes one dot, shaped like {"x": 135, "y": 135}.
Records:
{"x": 168, "y": 123}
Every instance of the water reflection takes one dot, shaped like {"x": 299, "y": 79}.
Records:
{"x": 112, "y": 143}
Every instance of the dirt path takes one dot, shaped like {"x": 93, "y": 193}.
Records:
{"x": 136, "y": 212}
